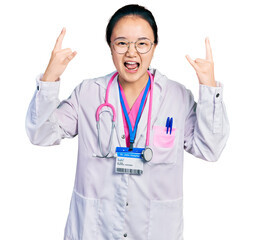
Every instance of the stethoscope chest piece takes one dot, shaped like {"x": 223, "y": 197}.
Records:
{"x": 147, "y": 154}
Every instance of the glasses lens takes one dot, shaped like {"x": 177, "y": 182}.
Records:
{"x": 120, "y": 45}
{"x": 143, "y": 46}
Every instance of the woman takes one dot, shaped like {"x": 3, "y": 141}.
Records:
{"x": 123, "y": 191}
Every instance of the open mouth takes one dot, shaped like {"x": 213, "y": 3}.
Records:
{"x": 131, "y": 66}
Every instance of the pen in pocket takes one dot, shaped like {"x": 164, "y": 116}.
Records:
{"x": 169, "y": 125}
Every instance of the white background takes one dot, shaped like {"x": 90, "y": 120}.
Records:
{"x": 36, "y": 182}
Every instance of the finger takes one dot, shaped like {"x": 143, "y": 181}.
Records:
{"x": 74, "y": 54}
{"x": 70, "y": 57}
{"x": 63, "y": 51}
{"x": 208, "y": 50}
{"x": 193, "y": 64}
{"x": 199, "y": 60}
{"x": 60, "y": 38}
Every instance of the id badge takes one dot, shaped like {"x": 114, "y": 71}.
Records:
{"x": 129, "y": 162}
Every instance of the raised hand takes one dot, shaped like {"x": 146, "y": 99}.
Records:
{"x": 59, "y": 60}
{"x": 204, "y": 67}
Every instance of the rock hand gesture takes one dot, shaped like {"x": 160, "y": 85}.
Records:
{"x": 204, "y": 67}
{"x": 59, "y": 60}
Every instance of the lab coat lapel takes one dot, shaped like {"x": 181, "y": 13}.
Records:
{"x": 156, "y": 100}
{"x": 115, "y": 101}
{"x": 156, "y": 103}
{"x": 142, "y": 125}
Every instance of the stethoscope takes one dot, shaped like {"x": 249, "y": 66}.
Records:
{"x": 147, "y": 153}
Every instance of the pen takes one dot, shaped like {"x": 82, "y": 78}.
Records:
{"x": 167, "y": 125}
{"x": 171, "y": 125}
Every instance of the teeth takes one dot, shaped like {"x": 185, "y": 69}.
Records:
{"x": 131, "y": 62}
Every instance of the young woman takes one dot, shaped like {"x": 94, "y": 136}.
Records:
{"x": 133, "y": 126}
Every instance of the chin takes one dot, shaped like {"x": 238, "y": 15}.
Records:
{"x": 132, "y": 76}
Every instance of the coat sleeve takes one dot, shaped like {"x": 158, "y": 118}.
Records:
{"x": 206, "y": 124}
{"x": 48, "y": 121}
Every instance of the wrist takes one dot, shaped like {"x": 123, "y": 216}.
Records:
{"x": 209, "y": 84}
{"x": 47, "y": 78}
{"x": 212, "y": 84}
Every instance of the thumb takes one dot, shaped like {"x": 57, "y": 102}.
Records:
{"x": 70, "y": 57}
{"x": 192, "y": 63}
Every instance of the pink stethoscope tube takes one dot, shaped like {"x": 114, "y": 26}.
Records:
{"x": 107, "y": 104}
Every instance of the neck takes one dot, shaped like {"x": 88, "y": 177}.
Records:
{"x": 133, "y": 89}
{"x": 134, "y": 86}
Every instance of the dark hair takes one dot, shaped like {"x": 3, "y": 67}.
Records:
{"x": 132, "y": 9}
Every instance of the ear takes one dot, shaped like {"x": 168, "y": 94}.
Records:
{"x": 153, "y": 49}
{"x": 111, "y": 49}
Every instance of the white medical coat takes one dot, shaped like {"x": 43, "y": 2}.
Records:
{"x": 110, "y": 206}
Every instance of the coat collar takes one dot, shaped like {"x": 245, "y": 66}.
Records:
{"x": 158, "y": 79}
{"x": 159, "y": 83}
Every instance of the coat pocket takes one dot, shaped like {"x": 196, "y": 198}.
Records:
{"x": 82, "y": 222}
{"x": 161, "y": 138}
{"x": 164, "y": 146}
{"x": 166, "y": 220}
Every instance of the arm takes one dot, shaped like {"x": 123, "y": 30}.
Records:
{"x": 47, "y": 122}
{"x": 206, "y": 125}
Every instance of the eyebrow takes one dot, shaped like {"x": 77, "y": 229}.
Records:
{"x": 141, "y": 38}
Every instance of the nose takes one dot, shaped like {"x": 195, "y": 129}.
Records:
{"x": 131, "y": 49}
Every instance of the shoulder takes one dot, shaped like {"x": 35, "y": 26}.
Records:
{"x": 167, "y": 85}
{"x": 172, "y": 92}
{"x": 94, "y": 83}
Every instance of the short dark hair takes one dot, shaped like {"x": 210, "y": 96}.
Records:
{"x": 132, "y": 9}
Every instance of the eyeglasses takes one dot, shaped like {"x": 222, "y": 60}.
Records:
{"x": 142, "y": 46}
